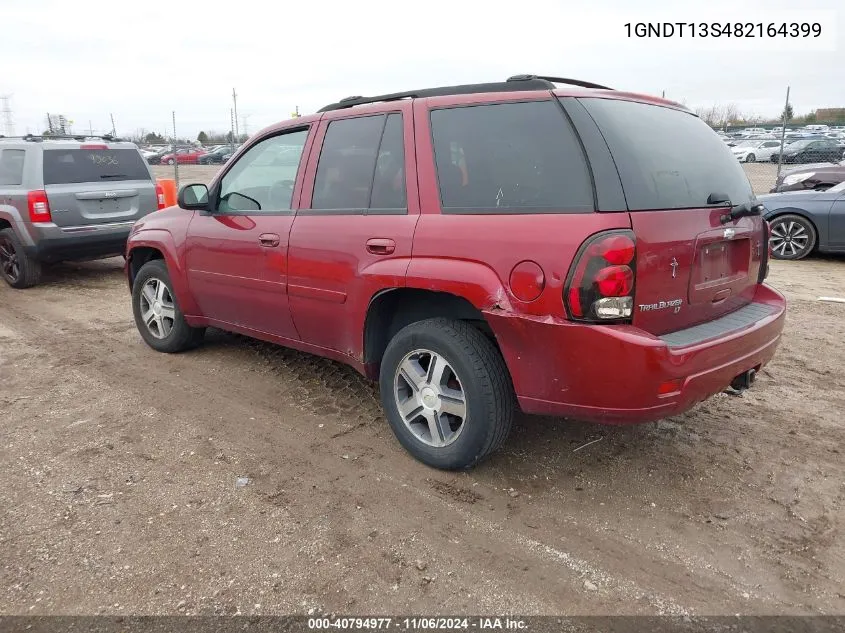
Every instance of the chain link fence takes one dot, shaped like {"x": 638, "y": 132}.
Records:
{"x": 760, "y": 159}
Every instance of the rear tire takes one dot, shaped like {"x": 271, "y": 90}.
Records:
{"x": 17, "y": 268}
{"x": 157, "y": 314}
{"x": 750, "y": 158}
{"x": 792, "y": 237}
{"x": 461, "y": 407}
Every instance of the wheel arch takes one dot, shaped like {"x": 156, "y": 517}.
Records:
{"x": 391, "y": 309}
{"x": 151, "y": 244}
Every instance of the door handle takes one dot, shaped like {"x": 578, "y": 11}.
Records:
{"x": 380, "y": 246}
{"x": 269, "y": 240}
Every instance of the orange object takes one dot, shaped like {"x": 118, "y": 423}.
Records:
{"x": 168, "y": 186}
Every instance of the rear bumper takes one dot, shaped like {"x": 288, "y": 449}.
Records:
{"x": 51, "y": 243}
{"x": 612, "y": 374}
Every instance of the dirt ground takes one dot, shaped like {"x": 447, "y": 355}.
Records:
{"x": 119, "y": 492}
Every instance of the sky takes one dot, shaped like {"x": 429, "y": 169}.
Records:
{"x": 140, "y": 61}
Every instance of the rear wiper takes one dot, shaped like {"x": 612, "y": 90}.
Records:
{"x": 741, "y": 211}
{"x": 113, "y": 176}
{"x": 737, "y": 211}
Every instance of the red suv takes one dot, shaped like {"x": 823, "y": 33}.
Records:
{"x": 584, "y": 253}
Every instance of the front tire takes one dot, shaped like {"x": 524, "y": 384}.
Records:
{"x": 792, "y": 237}
{"x": 750, "y": 158}
{"x": 17, "y": 268}
{"x": 157, "y": 315}
{"x": 170, "y": 161}
{"x": 446, "y": 392}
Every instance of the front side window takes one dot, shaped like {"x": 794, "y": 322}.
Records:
{"x": 262, "y": 180}
{"x": 11, "y": 166}
{"x": 510, "y": 158}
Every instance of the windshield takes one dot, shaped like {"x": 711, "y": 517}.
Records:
{"x": 801, "y": 143}
{"x": 839, "y": 187}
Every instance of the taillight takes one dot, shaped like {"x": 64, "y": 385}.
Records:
{"x": 767, "y": 252}
{"x": 600, "y": 286}
{"x": 93, "y": 146}
{"x": 39, "y": 206}
{"x": 160, "y": 197}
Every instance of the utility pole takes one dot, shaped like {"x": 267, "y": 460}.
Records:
{"x": 8, "y": 117}
{"x": 232, "y": 128}
{"x": 113, "y": 130}
{"x": 245, "y": 123}
{"x": 782, "y": 134}
{"x": 235, "y": 102}
{"x": 90, "y": 129}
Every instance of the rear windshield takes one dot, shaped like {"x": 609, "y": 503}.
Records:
{"x": 667, "y": 159}
{"x": 63, "y": 166}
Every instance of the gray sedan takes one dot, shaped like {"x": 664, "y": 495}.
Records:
{"x": 802, "y": 221}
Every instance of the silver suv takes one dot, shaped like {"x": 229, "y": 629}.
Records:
{"x": 68, "y": 198}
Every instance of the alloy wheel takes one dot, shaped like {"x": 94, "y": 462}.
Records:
{"x": 158, "y": 311}
{"x": 430, "y": 398}
{"x": 9, "y": 264}
{"x": 789, "y": 238}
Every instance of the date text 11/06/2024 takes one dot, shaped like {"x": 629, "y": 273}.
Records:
{"x": 723, "y": 29}
{"x": 417, "y": 623}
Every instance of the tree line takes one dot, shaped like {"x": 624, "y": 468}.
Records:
{"x": 728, "y": 115}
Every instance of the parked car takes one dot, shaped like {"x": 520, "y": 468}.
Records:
{"x": 68, "y": 199}
{"x": 537, "y": 247}
{"x": 751, "y": 151}
{"x": 810, "y": 151}
{"x": 816, "y": 177}
{"x": 153, "y": 155}
{"x": 215, "y": 156}
{"x": 184, "y": 156}
{"x": 803, "y": 221}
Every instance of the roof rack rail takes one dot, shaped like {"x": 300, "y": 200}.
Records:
{"x": 560, "y": 80}
{"x": 517, "y": 83}
{"x": 37, "y": 138}
{"x": 505, "y": 86}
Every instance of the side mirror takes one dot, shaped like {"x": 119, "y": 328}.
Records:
{"x": 193, "y": 197}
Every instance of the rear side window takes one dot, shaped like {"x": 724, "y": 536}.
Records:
{"x": 389, "y": 178}
{"x": 63, "y": 166}
{"x": 667, "y": 159}
{"x": 347, "y": 163}
{"x": 510, "y": 158}
{"x": 11, "y": 166}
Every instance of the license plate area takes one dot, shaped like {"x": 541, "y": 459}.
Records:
{"x": 721, "y": 266}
